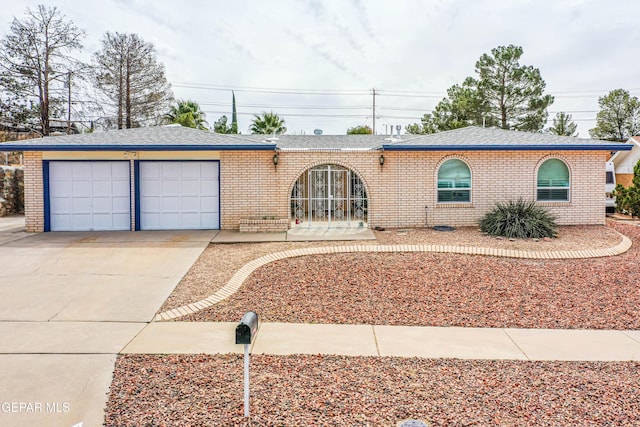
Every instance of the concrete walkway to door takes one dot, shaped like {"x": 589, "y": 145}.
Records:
{"x": 69, "y": 302}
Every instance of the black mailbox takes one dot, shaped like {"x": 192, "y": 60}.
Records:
{"x": 247, "y": 329}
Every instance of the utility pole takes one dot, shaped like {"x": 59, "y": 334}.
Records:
{"x": 374, "y": 111}
{"x": 69, "y": 103}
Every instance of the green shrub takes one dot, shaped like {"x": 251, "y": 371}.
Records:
{"x": 628, "y": 199}
{"x": 519, "y": 219}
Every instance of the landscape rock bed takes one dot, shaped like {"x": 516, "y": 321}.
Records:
{"x": 306, "y": 390}
{"x": 219, "y": 262}
{"x": 428, "y": 289}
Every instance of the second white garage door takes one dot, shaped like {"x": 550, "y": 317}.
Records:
{"x": 179, "y": 195}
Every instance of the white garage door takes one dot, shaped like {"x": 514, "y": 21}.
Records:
{"x": 179, "y": 195}
{"x": 86, "y": 196}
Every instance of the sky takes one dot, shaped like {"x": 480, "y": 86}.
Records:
{"x": 316, "y": 63}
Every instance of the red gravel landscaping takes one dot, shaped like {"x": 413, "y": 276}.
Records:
{"x": 201, "y": 390}
{"x": 444, "y": 290}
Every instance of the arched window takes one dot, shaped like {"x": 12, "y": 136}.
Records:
{"x": 553, "y": 181}
{"x": 454, "y": 182}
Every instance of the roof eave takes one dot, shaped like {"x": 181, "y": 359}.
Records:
{"x": 138, "y": 147}
{"x": 545, "y": 147}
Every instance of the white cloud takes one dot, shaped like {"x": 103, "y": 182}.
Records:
{"x": 405, "y": 45}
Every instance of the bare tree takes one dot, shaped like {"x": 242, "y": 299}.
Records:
{"x": 132, "y": 79}
{"x": 36, "y": 56}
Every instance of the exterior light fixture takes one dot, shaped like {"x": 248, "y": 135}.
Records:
{"x": 381, "y": 159}
{"x": 276, "y": 159}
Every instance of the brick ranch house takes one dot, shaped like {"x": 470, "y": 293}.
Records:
{"x": 172, "y": 177}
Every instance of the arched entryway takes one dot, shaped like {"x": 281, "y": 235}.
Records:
{"x": 329, "y": 196}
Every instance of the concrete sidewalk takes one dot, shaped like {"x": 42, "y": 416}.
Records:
{"x": 296, "y": 235}
{"x": 402, "y": 341}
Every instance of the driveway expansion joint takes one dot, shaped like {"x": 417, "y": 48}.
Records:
{"x": 245, "y": 271}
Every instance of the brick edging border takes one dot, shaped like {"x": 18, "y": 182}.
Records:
{"x": 245, "y": 271}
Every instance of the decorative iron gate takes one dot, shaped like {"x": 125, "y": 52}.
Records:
{"x": 329, "y": 196}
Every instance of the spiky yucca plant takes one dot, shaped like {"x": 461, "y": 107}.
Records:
{"x": 519, "y": 219}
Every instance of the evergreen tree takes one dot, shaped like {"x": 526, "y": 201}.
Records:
{"x": 618, "y": 118}
{"x": 220, "y": 126}
{"x": 562, "y": 125}
{"x": 234, "y": 115}
{"x": 628, "y": 199}
{"x": 505, "y": 94}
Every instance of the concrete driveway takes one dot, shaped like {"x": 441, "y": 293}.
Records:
{"x": 69, "y": 302}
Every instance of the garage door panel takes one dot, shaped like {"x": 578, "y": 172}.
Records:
{"x": 101, "y": 187}
{"x": 89, "y": 195}
{"x": 152, "y": 221}
{"x": 171, "y": 188}
{"x": 81, "y": 205}
{"x": 65, "y": 189}
{"x": 151, "y": 170}
{"x": 171, "y": 169}
{"x": 208, "y": 191}
{"x": 80, "y": 170}
{"x": 153, "y": 188}
{"x": 190, "y": 171}
{"x": 60, "y": 173}
{"x": 81, "y": 188}
{"x": 122, "y": 205}
{"x": 102, "y": 205}
{"x": 191, "y": 220}
{"x": 191, "y": 204}
{"x": 61, "y": 221}
{"x": 121, "y": 187}
{"x": 209, "y": 204}
{"x": 210, "y": 219}
{"x": 101, "y": 170}
{"x": 81, "y": 221}
{"x": 190, "y": 188}
{"x": 152, "y": 204}
{"x": 188, "y": 197}
{"x": 170, "y": 204}
{"x": 62, "y": 205}
{"x": 209, "y": 171}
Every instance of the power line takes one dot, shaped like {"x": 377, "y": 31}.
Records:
{"x": 361, "y": 92}
{"x": 300, "y": 107}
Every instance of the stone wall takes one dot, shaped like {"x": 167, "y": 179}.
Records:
{"x": 11, "y": 190}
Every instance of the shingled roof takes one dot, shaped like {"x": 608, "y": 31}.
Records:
{"x": 476, "y": 138}
{"x": 161, "y": 138}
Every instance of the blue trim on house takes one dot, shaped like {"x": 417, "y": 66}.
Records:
{"x": 136, "y": 194}
{"x": 137, "y": 147}
{"x": 46, "y": 195}
{"x": 541, "y": 147}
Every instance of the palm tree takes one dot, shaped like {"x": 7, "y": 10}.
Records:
{"x": 188, "y": 114}
{"x": 267, "y": 124}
